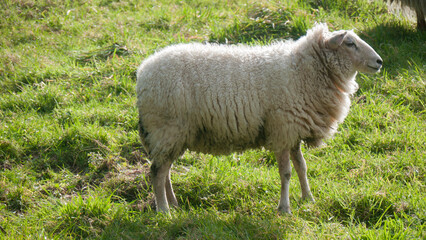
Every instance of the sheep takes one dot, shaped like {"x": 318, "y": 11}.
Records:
{"x": 220, "y": 99}
{"x": 419, "y": 6}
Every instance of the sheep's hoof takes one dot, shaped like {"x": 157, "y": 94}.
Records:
{"x": 163, "y": 210}
{"x": 165, "y": 213}
{"x": 308, "y": 198}
{"x": 284, "y": 210}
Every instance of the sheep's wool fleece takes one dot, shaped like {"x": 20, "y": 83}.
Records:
{"x": 219, "y": 99}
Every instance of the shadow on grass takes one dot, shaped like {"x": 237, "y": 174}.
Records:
{"x": 403, "y": 51}
{"x": 397, "y": 44}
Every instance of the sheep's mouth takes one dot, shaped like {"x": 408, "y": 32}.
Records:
{"x": 376, "y": 69}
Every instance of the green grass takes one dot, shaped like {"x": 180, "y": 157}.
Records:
{"x": 71, "y": 164}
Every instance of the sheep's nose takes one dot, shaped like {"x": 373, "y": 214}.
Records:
{"x": 379, "y": 61}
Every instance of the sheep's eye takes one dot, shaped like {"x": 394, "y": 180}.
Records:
{"x": 351, "y": 44}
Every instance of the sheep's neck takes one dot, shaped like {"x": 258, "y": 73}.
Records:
{"x": 339, "y": 80}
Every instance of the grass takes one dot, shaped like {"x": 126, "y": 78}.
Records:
{"x": 71, "y": 162}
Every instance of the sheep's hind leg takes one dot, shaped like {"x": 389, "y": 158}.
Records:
{"x": 160, "y": 174}
{"x": 171, "y": 198}
{"x": 300, "y": 167}
{"x": 284, "y": 168}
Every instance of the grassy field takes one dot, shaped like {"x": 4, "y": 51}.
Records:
{"x": 71, "y": 164}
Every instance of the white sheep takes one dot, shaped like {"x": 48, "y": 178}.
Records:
{"x": 220, "y": 99}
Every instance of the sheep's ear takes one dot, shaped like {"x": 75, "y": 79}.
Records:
{"x": 335, "y": 40}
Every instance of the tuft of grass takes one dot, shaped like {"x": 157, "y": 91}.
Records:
{"x": 263, "y": 24}
{"x": 103, "y": 53}
{"x": 84, "y": 217}
{"x": 362, "y": 209}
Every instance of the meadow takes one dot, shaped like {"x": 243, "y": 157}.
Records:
{"x": 72, "y": 166}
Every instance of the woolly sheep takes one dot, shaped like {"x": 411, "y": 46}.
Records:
{"x": 220, "y": 99}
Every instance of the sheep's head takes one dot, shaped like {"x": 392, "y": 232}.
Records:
{"x": 348, "y": 45}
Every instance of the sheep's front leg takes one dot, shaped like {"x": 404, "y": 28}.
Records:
{"x": 160, "y": 173}
{"x": 300, "y": 167}
{"x": 284, "y": 168}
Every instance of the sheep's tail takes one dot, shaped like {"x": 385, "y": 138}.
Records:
{"x": 143, "y": 134}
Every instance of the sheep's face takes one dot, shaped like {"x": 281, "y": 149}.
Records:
{"x": 362, "y": 57}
